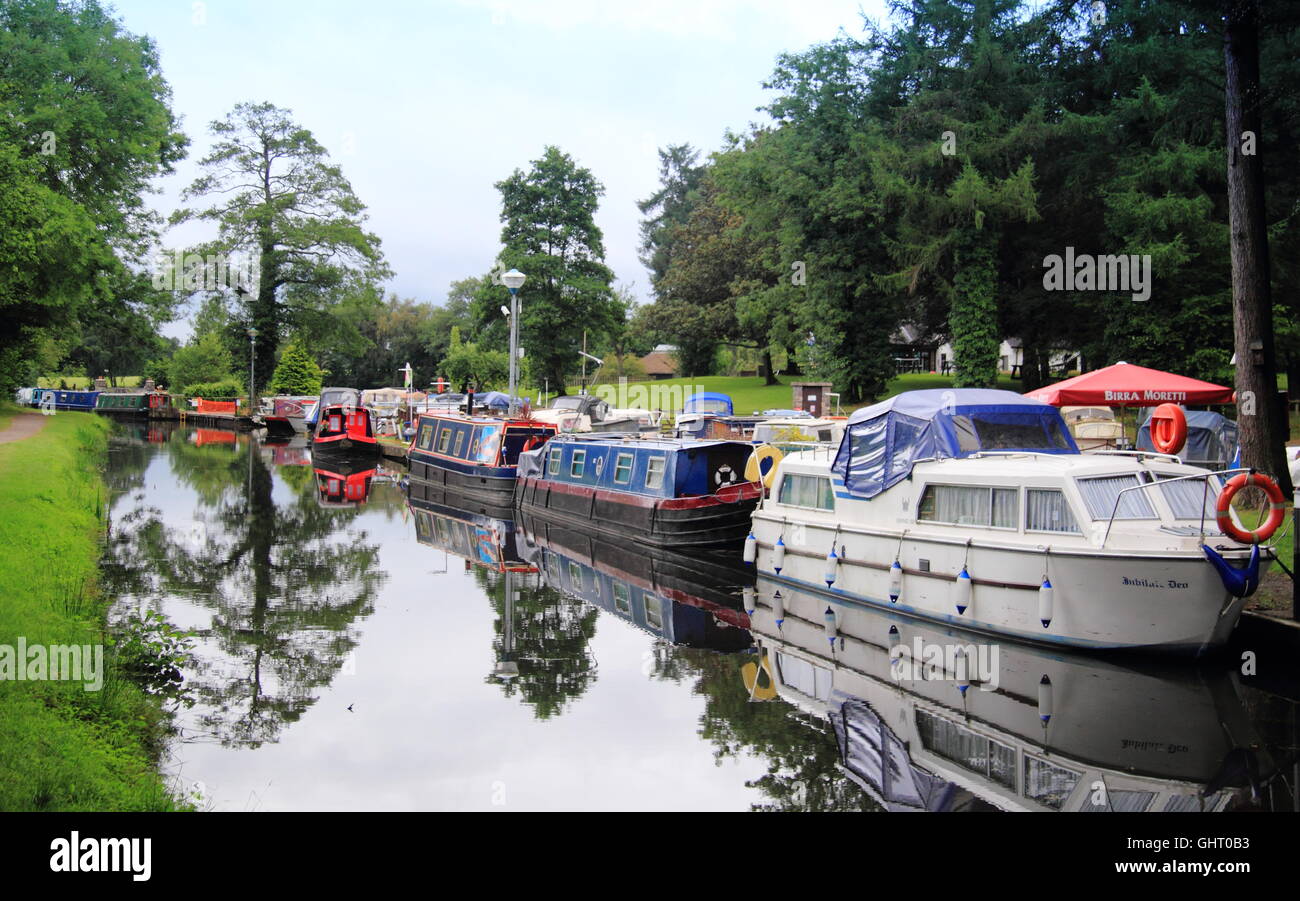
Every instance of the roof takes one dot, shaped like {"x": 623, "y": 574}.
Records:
{"x": 659, "y": 362}
{"x": 1125, "y": 384}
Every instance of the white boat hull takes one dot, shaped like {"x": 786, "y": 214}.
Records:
{"x": 1167, "y": 603}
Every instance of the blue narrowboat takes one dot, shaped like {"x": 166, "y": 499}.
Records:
{"x": 667, "y": 492}
{"x": 473, "y": 455}
{"x": 687, "y": 599}
{"x": 63, "y": 399}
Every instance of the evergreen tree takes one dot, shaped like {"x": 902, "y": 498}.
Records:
{"x": 297, "y": 372}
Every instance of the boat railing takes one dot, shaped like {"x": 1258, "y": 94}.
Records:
{"x": 1142, "y": 486}
{"x": 1140, "y": 454}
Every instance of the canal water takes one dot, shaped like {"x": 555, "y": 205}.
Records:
{"x": 362, "y": 644}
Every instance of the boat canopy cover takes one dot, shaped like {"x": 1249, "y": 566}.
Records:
{"x": 709, "y": 402}
{"x": 496, "y": 399}
{"x": 1211, "y": 438}
{"x": 883, "y": 442}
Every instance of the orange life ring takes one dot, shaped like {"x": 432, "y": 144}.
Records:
{"x": 1168, "y": 428}
{"x": 1276, "y": 508}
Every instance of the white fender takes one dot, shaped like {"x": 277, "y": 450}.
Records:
{"x": 830, "y": 626}
{"x": 751, "y": 548}
{"x": 961, "y": 662}
{"x": 1046, "y": 602}
{"x": 962, "y": 590}
{"x": 778, "y": 554}
{"x": 1045, "y": 700}
{"x": 832, "y": 567}
{"x": 751, "y": 599}
{"x": 895, "y": 582}
{"x": 778, "y": 608}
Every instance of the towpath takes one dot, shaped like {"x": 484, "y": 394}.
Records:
{"x": 23, "y": 425}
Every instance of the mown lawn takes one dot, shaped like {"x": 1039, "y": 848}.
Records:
{"x": 749, "y": 393}
{"x": 62, "y": 747}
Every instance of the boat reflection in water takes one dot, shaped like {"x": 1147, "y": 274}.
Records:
{"x": 687, "y": 599}
{"x": 344, "y": 484}
{"x": 484, "y": 537}
{"x": 1044, "y": 731}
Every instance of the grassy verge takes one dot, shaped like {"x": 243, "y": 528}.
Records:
{"x": 82, "y": 383}
{"x": 62, "y": 747}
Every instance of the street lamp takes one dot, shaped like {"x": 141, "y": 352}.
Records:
{"x": 514, "y": 280}
{"x": 252, "y": 363}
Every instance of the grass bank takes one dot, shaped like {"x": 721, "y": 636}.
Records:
{"x": 62, "y": 747}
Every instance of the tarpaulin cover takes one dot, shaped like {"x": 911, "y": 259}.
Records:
{"x": 1211, "y": 439}
{"x": 1126, "y": 385}
{"x": 883, "y": 442}
{"x": 496, "y": 399}
{"x": 708, "y": 402}
{"x": 875, "y": 754}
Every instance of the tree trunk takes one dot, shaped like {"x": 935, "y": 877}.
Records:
{"x": 1262, "y": 434}
{"x": 769, "y": 377}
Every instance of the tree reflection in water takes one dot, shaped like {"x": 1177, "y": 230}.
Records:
{"x": 285, "y": 586}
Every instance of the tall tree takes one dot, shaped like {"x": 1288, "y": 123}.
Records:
{"x": 1263, "y": 434}
{"x": 550, "y": 235}
{"x": 276, "y": 197}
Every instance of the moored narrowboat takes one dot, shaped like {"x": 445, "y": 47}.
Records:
{"x": 476, "y": 455}
{"x": 345, "y": 429}
{"x": 668, "y": 492}
{"x": 134, "y": 404}
{"x": 289, "y": 415}
{"x": 62, "y": 399}
{"x": 343, "y": 487}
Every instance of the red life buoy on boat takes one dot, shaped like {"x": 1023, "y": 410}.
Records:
{"x": 1276, "y": 505}
{"x": 1168, "y": 428}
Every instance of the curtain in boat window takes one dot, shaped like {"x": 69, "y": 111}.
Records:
{"x": 1189, "y": 497}
{"x": 1047, "y": 511}
{"x": 1100, "y": 495}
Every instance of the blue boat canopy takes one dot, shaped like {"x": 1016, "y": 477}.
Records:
{"x": 883, "y": 442}
{"x": 709, "y": 402}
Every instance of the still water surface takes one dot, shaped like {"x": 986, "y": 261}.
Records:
{"x": 360, "y": 646}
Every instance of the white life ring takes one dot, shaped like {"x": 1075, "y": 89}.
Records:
{"x": 721, "y": 480}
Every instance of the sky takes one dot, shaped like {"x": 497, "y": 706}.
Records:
{"x": 427, "y": 105}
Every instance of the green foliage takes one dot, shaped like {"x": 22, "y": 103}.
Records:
{"x": 297, "y": 372}
{"x": 152, "y": 652}
{"x": 204, "y": 359}
{"x": 275, "y": 196}
{"x": 467, "y": 365}
{"x": 226, "y": 389}
{"x": 550, "y": 235}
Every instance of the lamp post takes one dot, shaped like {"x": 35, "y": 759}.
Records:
{"x": 514, "y": 280}
{"x": 252, "y": 368}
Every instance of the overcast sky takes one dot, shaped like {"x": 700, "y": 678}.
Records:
{"x": 426, "y": 105}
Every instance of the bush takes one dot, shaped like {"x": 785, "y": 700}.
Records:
{"x": 226, "y": 389}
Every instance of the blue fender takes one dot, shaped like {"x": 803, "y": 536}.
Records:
{"x": 1241, "y": 583}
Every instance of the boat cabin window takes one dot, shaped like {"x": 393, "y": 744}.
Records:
{"x": 807, "y": 491}
{"x": 487, "y": 439}
{"x": 622, "y": 599}
{"x": 460, "y": 442}
{"x": 575, "y": 576}
{"x": 1190, "y": 498}
{"x": 444, "y": 438}
{"x": 1048, "y": 783}
{"x": 653, "y": 618}
{"x": 654, "y": 472}
{"x": 553, "y": 464}
{"x": 579, "y": 464}
{"x": 1102, "y": 494}
{"x": 623, "y": 469}
{"x": 1046, "y": 510}
{"x": 967, "y": 505}
{"x": 967, "y": 748}
{"x": 568, "y": 402}
{"x": 425, "y": 441}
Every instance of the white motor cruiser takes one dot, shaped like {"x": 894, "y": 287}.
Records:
{"x": 976, "y": 508}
